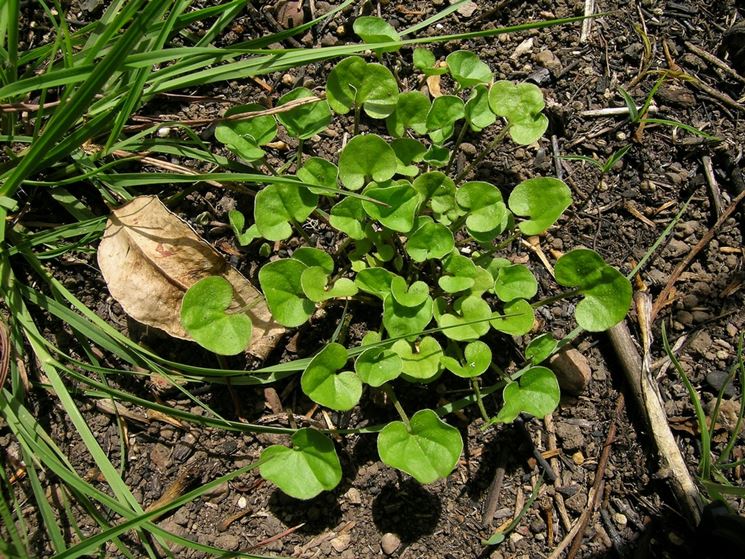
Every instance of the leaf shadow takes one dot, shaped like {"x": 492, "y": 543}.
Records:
{"x": 407, "y": 509}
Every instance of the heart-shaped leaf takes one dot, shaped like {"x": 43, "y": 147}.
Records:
{"x": 373, "y": 29}
{"x": 398, "y": 207}
{"x": 427, "y": 449}
{"x": 356, "y": 83}
{"x": 278, "y": 205}
{"x": 478, "y": 113}
{"x": 408, "y": 152}
{"x": 280, "y": 282}
{"x": 409, "y": 296}
{"x": 517, "y": 318}
{"x": 364, "y": 158}
{"x": 314, "y": 281}
{"x": 461, "y": 274}
{"x": 243, "y": 137}
{"x": 515, "y": 282}
{"x": 429, "y": 240}
{"x": 348, "y": 217}
{"x": 543, "y": 199}
{"x": 400, "y": 320}
{"x": 376, "y": 281}
{"x": 437, "y": 156}
{"x": 317, "y": 170}
{"x": 203, "y": 316}
{"x": 607, "y": 292}
{"x": 377, "y": 365}
{"x": 536, "y": 392}
{"x": 477, "y": 360}
{"x": 521, "y": 104}
{"x": 238, "y": 225}
{"x": 468, "y": 321}
{"x": 487, "y": 216}
{"x": 467, "y": 69}
{"x": 321, "y": 383}
{"x": 445, "y": 111}
{"x": 304, "y": 121}
{"x": 305, "y": 470}
{"x": 437, "y": 191}
{"x": 315, "y": 257}
{"x": 425, "y": 62}
{"x": 410, "y": 112}
{"x": 421, "y": 360}
{"x": 540, "y": 348}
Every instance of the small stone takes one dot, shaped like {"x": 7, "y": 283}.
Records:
{"x": 731, "y": 330}
{"x": 572, "y": 371}
{"x": 538, "y": 526}
{"x": 620, "y": 519}
{"x": 228, "y": 541}
{"x": 242, "y": 502}
{"x": 467, "y": 9}
{"x": 716, "y": 380}
{"x": 288, "y": 79}
{"x": 549, "y": 60}
{"x": 515, "y": 537}
{"x": 160, "y": 456}
{"x": 341, "y": 542}
{"x": 329, "y": 40}
{"x": 571, "y": 435}
{"x": 675, "y": 539}
{"x": 468, "y": 149}
{"x": 700, "y": 316}
{"x": 677, "y": 248}
{"x": 701, "y": 343}
{"x": 676, "y": 95}
{"x": 577, "y": 503}
{"x": 389, "y": 543}
{"x": 163, "y": 132}
{"x": 578, "y": 458}
{"x": 353, "y": 496}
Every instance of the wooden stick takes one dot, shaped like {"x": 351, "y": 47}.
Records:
{"x": 587, "y": 22}
{"x": 721, "y": 64}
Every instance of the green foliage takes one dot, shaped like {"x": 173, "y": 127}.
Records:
{"x": 373, "y": 29}
{"x": 365, "y": 158}
{"x": 204, "y": 317}
{"x": 536, "y": 392}
{"x": 410, "y": 113}
{"x": 521, "y": 104}
{"x": 278, "y": 206}
{"x": 354, "y": 83}
{"x": 543, "y": 199}
{"x": 467, "y": 69}
{"x": 323, "y": 384}
{"x": 304, "y": 121}
{"x": 442, "y": 116}
{"x": 425, "y": 62}
{"x": 243, "y": 137}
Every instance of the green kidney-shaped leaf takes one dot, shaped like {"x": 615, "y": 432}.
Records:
{"x": 243, "y": 137}
{"x": 540, "y": 348}
{"x": 461, "y": 274}
{"x": 364, "y": 158}
{"x": 429, "y": 240}
{"x": 515, "y": 282}
{"x": 377, "y": 365}
{"x": 521, "y": 104}
{"x": 437, "y": 156}
{"x": 536, "y": 392}
{"x": 437, "y": 191}
{"x": 478, "y": 113}
{"x": 409, "y": 296}
{"x": 445, "y": 111}
{"x": 477, "y": 360}
{"x": 420, "y": 361}
{"x": 322, "y": 384}
{"x": 428, "y": 449}
{"x": 467, "y": 69}
{"x": 400, "y": 320}
{"x": 314, "y": 281}
{"x": 304, "y": 121}
{"x": 280, "y": 282}
{"x": 517, "y": 318}
{"x": 348, "y": 217}
{"x": 469, "y": 320}
{"x": 376, "y": 281}
{"x": 203, "y": 316}
{"x": 373, "y": 29}
{"x": 238, "y": 225}
{"x": 607, "y": 292}
{"x": 408, "y": 152}
{"x": 317, "y": 170}
{"x": 543, "y": 200}
{"x": 398, "y": 208}
{"x": 305, "y": 470}
{"x": 315, "y": 257}
{"x": 356, "y": 83}
{"x": 424, "y": 61}
{"x": 487, "y": 216}
{"x": 276, "y": 206}
{"x": 410, "y": 112}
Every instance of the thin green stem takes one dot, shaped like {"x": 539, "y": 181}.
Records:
{"x": 554, "y": 298}
{"x": 388, "y": 391}
{"x": 458, "y": 141}
{"x": 300, "y": 155}
{"x": 479, "y": 399}
{"x": 357, "y": 110}
{"x": 494, "y": 143}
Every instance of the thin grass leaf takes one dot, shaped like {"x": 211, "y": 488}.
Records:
{"x": 433, "y": 19}
{"x": 45, "y": 510}
{"x": 686, "y": 127}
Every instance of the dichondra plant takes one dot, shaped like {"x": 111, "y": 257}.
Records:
{"x": 416, "y": 243}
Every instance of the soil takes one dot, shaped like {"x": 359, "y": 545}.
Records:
{"x": 377, "y": 511}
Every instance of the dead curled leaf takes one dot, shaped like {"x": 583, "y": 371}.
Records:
{"x": 149, "y": 257}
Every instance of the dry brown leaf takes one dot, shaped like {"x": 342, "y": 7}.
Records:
{"x": 433, "y": 84}
{"x": 149, "y": 257}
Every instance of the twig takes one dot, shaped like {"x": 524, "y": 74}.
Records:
{"x": 492, "y": 496}
{"x": 721, "y": 64}
{"x": 618, "y": 544}
{"x": 555, "y": 464}
{"x": 711, "y": 181}
{"x": 662, "y": 298}
{"x": 550, "y": 474}
{"x": 644, "y": 391}
{"x": 279, "y": 536}
{"x": 587, "y": 22}
{"x": 557, "y": 157}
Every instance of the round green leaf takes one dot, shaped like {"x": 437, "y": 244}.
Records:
{"x": 278, "y": 205}
{"x": 305, "y": 470}
{"x": 540, "y": 348}
{"x": 280, "y": 282}
{"x": 408, "y": 152}
{"x": 315, "y": 257}
{"x": 304, "y": 121}
{"x": 317, "y": 170}
{"x": 373, "y": 29}
{"x": 398, "y": 208}
{"x": 420, "y": 361}
{"x": 400, "y": 320}
{"x": 437, "y": 156}
{"x": 323, "y": 385}
{"x": 428, "y": 449}
{"x": 536, "y": 392}
{"x": 543, "y": 200}
{"x": 477, "y": 360}
{"x": 356, "y": 83}
{"x": 410, "y": 112}
{"x": 521, "y": 104}
{"x": 437, "y": 191}
{"x": 515, "y": 282}
{"x": 487, "y": 216}
{"x": 467, "y": 69}
{"x": 203, "y": 316}
{"x": 314, "y": 281}
{"x": 243, "y": 137}
{"x": 517, "y": 318}
{"x": 377, "y": 365}
{"x": 348, "y": 217}
{"x": 607, "y": 292}
{"x": 445, "y": 111}
{"x": 478, "y": 113}
{"x": 469, "y": 321}
{"x": 376, "y": 281}
{"x": 425, "y": 62}
{"x": 430, "y": 240}
{"x": 409, "y": 296}
{"x": 364, "y": 158}
{"x": 237, "y": 224}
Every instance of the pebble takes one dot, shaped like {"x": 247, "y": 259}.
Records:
{"x": 677, "y": 248}
{"x": 684, "y": 317}
{"x": 549, "y": 60}
{"x": 341, "y": 542}
{"x": 242, "y": 502}
{"x": 389, "y": 543}
{"x": 701, "y": 343}
{"x": 716, "y": 380}
{"x": 538, "y": 525}
{"x": 353, "y": 496}
{"x": 468, "y": 149}
{"x": 228, "y": 541}
{"x": 700, "y": 316}
{"x": 160, "y": 456}
{"x": 571, "y": 435}
{"x": 577, "y": 503}
{"x": 467, "y": 9}
{"x": 578, "y": 458}
{"x": 620, "y": 519}
{"x": 572, "y": 371}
